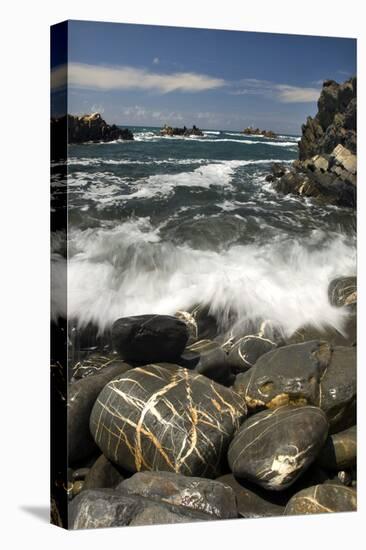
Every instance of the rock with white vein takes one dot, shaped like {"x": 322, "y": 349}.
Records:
{"x": 273, "y": 448}
{"x": 164, "y": 417}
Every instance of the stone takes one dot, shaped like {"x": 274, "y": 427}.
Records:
{"x": 320, "y": 163}
{"x": 338, "y": 389}
{"x": 148, "y": 338}
{"x": 273, "y": 448}
{"x": 347, "y": 337}
{"x": 345, "y": 158}
{"x": 185, "y": 132}
{"x": 340, "y": 450}
{"x": 95, "y": 363}
{"x": 246, "y": 351}
{"x": 250, "y": 131}
{"x": 321, "y": 499}
{"x": 211, "y": 361}
{"x": 343, "y": 291}
{"x": 286, "y": 375}
{"x": 164, "y": 417}
{"x": 198, "y": 494}
{"x": 253, "y": 502}
{"x": 103, "y": 475}
{"x": 108, "y": 508}
{"x": 191, "y": 324}
{"x": 80, "y": 474}
{"x": 81, "y": 397}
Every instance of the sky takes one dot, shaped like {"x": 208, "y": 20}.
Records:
{"x": 142, "y": 75}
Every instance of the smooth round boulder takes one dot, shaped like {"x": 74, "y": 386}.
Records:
{"x": 340, "y": 450}
{"x": 211, "y": 361}
{"x": 148, "y": 338}
{"x": 338, "y": 389}
{"x": 205, "y": 495}
{"x": 273, "y": 448}
{"x": 81, "y": 397}
{"x": 246, "y": 351}
{"x": 108, "y": 508}
{"x": 289, "y": 375}
{"x": 347, "y": 337}
{"x": 343, "y": 291}
{"x": 322, "y": 499}
{"x": 252, "y": 502}
{"x": 102, "y": 475}
{"x": 164, "y": 417}
{"x": 95, "y": 364}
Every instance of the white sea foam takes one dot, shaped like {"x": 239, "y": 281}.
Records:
{"x": 128, "y": 270}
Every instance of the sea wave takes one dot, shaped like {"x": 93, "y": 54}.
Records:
{"x": 130, "y": 270}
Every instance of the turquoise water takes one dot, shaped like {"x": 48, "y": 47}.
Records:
{"x": 161, "y": 224}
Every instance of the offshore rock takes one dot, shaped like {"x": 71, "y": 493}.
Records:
{"x": 197, "y": 494}
{"x": 148, "y": 338}
{"x": 273, "y": 448}
{"x": 250, "y": 131}
{"x": 322, "y": 499}
{"x": 164, "y": 417}
{"x": 185, "y": 132}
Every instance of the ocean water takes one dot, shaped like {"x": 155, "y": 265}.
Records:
{"x": 162, "y": 224}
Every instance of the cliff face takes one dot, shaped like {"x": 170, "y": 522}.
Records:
{"x": 327, "y": 165}
{"x": 80, "y": 129}
{"x": 335, "y": 122}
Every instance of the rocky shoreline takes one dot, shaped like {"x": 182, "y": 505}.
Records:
{"x": 327, "y": 164}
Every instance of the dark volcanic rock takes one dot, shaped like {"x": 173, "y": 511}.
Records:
{"x": 96, "y": 363}
{"x": 108, "y": 508}
{"x": 257, "y": 132}
{"x": 340, "y": 450}
{"x": 102, "y": 475}
{"x": 211, "y": 361}
{"x": 287, "y": 375}
{"x": 81, "y": 397}
{"x": 331, "y": 335}
{"x": 338, "y": 389}
{"x": 163, "y": 417}
{"x": 148, "y": 338}
{"x": 343, "y": 291}
{"x": 253, "y": 502}
{"x": 323, "y": 499}
{"x": 246, "y": 351}
{"x": 273, "y": 448}
{"x": 198, "y": 494}
{"x": 185, "y": 132}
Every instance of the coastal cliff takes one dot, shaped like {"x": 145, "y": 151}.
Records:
{"x": 327, "y": 164}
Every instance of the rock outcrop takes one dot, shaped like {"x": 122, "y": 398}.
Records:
{"x": 250, "y": 131}
{"x": 185, "y": 132}
{"x": 81, "y": 129}
{"x": 327, "y": 165}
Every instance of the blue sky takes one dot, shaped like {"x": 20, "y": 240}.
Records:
{"x": 151, "y": 75}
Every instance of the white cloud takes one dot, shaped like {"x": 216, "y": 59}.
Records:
{"x": 284, "y": 93}
{"x": 96, "y": 77}
{"x": 156, "y": 61}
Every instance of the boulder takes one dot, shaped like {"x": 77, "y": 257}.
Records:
{"x": 81, "y": 397}
{"x": 148, "y": 338}
{"x": 343, "y": 291}
{"x": 208, "y": 358}
{"x": 99, "y": 508}
{"x": 338, "y": 388}
{"x": 273, "y": 448}
{"x": 341, "y": 156}
{"x": 102, "y": 475}
{"x": 339, "y": 451}
{"x": 287, "y": 375}
{"x": 253, "y": 502}
{"x": 197, "y": 494}
{"x": 164, "y": 417}
{"x": 95, "y": 364}
{"x": 246, "y": 351}
{"x": 322, "y": 499}
{"x": 347, "y": 337}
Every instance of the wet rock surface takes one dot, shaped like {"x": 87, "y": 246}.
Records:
{"x": 322, "y": 499}
{"x": 273, "y": 448}
{"x": 147, "y": 338}
{"x": 340, "y": 450}
{"x": 200, "y": 494}
{"x": 102, "y": 475}
{"x": 164, "y": 417}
